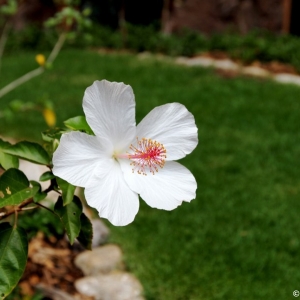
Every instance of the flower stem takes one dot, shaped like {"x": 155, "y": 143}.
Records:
{"x": 3, "y": 39}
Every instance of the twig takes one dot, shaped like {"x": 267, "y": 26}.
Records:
{"x": 15, "y": 209}
{"x": 37, "y": 71}
{"x": 52, "y": 292}
{"x": 3, "y": 39}
{"x": 47, "y": 208}
{"x": 28, "y": 208}
{"x": 20, "y": 81}
{"x": 16, "y": 217}
{"x": 57, "y": 47}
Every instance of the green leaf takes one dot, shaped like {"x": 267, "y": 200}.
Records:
{"x": 6, "y": 160}
{"x": 79, "y": 123}
{"x": 70, "y": 216}
{"x": 13, "y": 257}
{"x": 52, "y": 134}
{"x": 47, "y": 176}
{"x": 29, "y": 151}
{"x": 86, "y": 233}
{"x": 14, "y": 188}
{"x": 40, "y": 195}
{"x": 67, "y": 189}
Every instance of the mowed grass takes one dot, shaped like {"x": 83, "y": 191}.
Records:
{"x": 240, "y": 238}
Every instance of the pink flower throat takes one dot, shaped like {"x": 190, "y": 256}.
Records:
{"x": 146, "y": 156}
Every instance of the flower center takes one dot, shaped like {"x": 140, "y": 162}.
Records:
{"x": 147, "y": 156}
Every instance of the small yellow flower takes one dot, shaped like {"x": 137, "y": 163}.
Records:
{"x": 49, "y": 116}
{"x": 40, "y": 59}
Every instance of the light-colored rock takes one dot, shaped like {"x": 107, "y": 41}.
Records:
{"x": 100, "y": 232}
{"x": 255, "y": 71}
{"x": 287, "y": 78}
{"x": 113, "y": 286}
{"x": 202, "y": 61}
{"x": 144, "y": 55}
{"x": 229, "y": 65}
{"x": 181, "y": 60}
{"x": 196, "y": 61}
{"x": 33, "y": 172}
{"x": 226, "y": 64}
{"x": 157, "y": 56}
{"x": 101, "y": 260}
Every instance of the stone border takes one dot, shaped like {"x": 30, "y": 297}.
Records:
{"x": 229, "y": 65}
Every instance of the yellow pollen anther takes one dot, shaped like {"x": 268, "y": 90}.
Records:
{"x": 146, "y": 156}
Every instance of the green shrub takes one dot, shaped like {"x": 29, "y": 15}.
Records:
{"x": 256, "y": 45}
{"x": 31, "y": 37}
{"x": 44, "y": 221}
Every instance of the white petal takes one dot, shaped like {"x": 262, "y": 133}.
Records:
{"x": 111, "y": 196}
{"x": 173, "y": 126}
{"x": 77, "y": 157}
{"x": 110, "y": 111}
{"x": 166, "y": 189}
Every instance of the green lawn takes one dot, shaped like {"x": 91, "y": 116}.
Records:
{"x": 240, "y": 239}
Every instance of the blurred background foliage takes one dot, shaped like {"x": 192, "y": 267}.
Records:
{"x": 116, "y": 24}
{"x": 255, "y": 45}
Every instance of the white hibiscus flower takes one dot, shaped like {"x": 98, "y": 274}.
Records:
{"x": 123, "y": 160}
